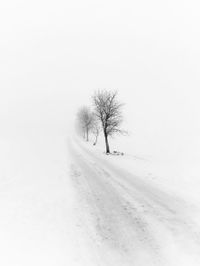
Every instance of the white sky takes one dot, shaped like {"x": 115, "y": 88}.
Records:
{"x": 53, "y": 54}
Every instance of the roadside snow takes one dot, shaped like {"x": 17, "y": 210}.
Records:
{"x": 38, "y": 217}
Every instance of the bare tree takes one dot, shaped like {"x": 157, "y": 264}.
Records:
{"x": 96, "y": 128}
{"x": 108, "y": 110}
{"x": 85, "y": 121}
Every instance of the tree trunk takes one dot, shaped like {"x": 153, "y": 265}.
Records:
{"x": 87, "y": 138}
{"x": 96, "y": 139}
{"x": 106, "y": 142}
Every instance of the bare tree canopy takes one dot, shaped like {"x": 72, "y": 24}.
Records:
{"x": 109, "y": 111}
{"x": 85, "y": 120}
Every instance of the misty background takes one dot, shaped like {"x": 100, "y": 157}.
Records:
{"x": 55, "y": 54}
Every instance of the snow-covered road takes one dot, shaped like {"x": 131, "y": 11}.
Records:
{"x": 83, "y": 208}
{"x": 127, "y": 220}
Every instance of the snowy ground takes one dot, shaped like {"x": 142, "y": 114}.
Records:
{"x": 38, "y": 223}
{"x": 64, "y": 202}
{"x": 132, "y": 219}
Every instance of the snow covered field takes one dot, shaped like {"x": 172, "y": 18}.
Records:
{"x": 64, "y": 202}
{"x": 37, "y": 213}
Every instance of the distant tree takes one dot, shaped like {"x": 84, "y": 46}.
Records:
{"x": 109, "y": 111}
{"x": 85, "y": 121}
{"x": 96, "y": 128}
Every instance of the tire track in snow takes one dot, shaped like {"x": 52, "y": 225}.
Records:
{"x": 172, "y": 212}
{"x": 119, "y": 225}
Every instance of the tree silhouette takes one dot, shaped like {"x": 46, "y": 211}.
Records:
{"x": 109, "y": 111}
